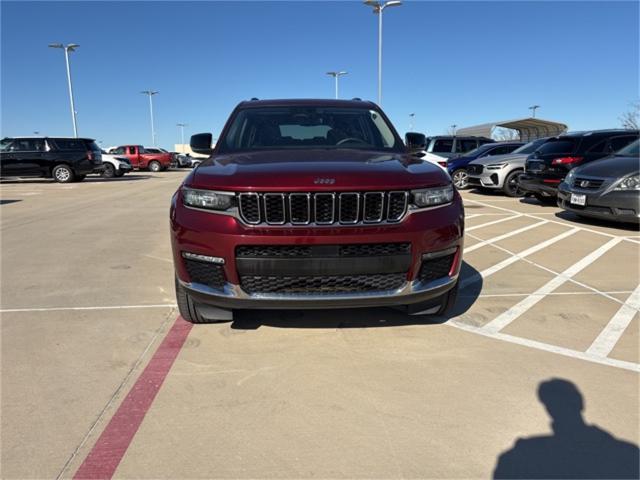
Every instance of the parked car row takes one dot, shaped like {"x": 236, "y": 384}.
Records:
{"x": 593, "y": 173}
{"x": 68, "y": 159}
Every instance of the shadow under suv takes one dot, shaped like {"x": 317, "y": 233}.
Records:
{"x": 313, "y": 204}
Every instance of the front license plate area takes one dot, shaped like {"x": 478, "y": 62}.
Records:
{"x": 578, "y": 199}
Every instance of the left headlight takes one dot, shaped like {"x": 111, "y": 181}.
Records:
{"x": 207, "y": 199}
{"x": 430, "y": 197}
{"x": 629, "y": 183}
{"x": 570, "y": 177}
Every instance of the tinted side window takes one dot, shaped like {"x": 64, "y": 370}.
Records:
{"x": 70, "y": 144}
{"x": 443, "y": 146}
{"x": 503, "y": 150}
{"x": 464, "y": 146}
{"x": 620, "y": 142}
{"x": 118, "y": 151}
{"x": 27, "y": 145}
{"x": 132, "y": 150}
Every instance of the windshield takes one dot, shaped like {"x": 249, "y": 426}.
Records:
{"x": 301, "y": 127}
{"x": 631, "y": 150}
{"x": 4, "y": 144}
{"x": 530, "y": 147}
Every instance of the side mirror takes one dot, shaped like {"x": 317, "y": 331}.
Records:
{"x": 416, "y": 142}
{"x": 201, "y": 143}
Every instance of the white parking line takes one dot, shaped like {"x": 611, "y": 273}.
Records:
{"x": 610, "y": 335}
{"x": 502, "y": 237}
{"x": 567, "y": 352}
{"x": 566, "y": 224}
{"x": 500, "y": 220}
{"x": 552, "y": 294}
{"x": 514, "y": 258}
{"x": 111, "y": 307}
{"x": 524, "y": 305}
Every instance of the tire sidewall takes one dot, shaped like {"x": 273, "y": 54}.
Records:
{"x": 508, "y": 190}
{"x": 461, "y": 171}
{"x": 109, "y": 171}
{"x": 59, "y": 175}
{"x": 154, "y": 166}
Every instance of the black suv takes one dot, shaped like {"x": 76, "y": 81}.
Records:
{"x": 63, "y": 159}
{"x": 546, "y": 168}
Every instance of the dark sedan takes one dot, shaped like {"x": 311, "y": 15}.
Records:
{"x": 607, "y": 189}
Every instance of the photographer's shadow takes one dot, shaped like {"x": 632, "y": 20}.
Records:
{"x": 575, "y": 450}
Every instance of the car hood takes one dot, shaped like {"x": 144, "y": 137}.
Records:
{"x": 506, "y": 158}
{"x": 610, "y": 167}
{"x": 316, "y": 169}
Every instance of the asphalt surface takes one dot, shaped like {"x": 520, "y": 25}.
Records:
{"x": 101, "y": 378}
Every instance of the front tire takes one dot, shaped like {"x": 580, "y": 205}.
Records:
{"x": 511, "y": 187}
{"x": 192, "y": 312}
{"x": 461, "y": 179}
{"x": 63, "y": 174}
{"x": 155, "y": 166}
{"x": 109, "y": 171}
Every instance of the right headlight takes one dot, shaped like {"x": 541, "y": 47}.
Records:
{"x": 430, "y": 197}
{"x": 207, "y": 199}
{"x": 631, "y": 182}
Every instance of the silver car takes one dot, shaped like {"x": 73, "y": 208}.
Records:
{"x": 502, "y": 172}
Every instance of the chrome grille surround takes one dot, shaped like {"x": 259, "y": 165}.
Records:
{"x": 322, "y": 208}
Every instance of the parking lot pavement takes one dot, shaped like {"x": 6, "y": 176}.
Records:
{"x": 100, "y": 378}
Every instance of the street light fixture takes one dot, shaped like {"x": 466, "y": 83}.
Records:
{"x": 378, "y": 8}
{"x": 71, "y": 47}
{"x": 182, "y": 125}
{"x": 453, "y": 129}
{"x": 533, "y": 108}
{"x": 336, "y": 75}
{"x": 151, "y": 93}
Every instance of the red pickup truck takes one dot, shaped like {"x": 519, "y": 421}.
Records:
{"x": 141, "y": 159}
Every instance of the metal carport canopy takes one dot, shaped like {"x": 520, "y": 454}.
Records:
{"x": 528, "y": 128}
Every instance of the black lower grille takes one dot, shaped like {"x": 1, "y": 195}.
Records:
{"x": 350, "y": 250}
{"x": 435, "y": 268}
{"x": 205, "y": 273}
{"x": 322, "y": 284}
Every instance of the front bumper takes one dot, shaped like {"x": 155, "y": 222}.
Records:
{"x": 233, "y": 297}
{"x": 487, "y": 179}
{"x": 618, "y": 206}
{"x": 125, "y": 167}
{"x": 218, "y": 235}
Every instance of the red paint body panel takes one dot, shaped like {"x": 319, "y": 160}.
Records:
{"x": 218, "y": 235}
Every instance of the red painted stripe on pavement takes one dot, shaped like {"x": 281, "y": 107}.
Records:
{"x": 108, "y": 451}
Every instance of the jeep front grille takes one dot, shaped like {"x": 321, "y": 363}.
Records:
{"x": 322, "y": 208}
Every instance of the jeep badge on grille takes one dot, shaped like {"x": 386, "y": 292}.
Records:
{"x": 324, "y": 181}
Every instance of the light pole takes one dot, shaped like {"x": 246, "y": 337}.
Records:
{"x": 533, "y": 108}
{"x": 151, "y": 93}
{"x": 181, "y": 125}
{"x": 378, "y": 8}
{"x": 453, "y": 129}
{"x": 336, "y": 75}
{"x": 411, "y": 115}
{"x": 71, "y": 47}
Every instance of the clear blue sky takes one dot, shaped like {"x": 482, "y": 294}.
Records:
{"x": 449, "y": 62}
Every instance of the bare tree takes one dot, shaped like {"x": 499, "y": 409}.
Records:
{"x": 505, "y": 134}
{"x": 631, "y": 118}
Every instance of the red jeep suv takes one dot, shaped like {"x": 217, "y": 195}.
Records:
{"x": 314, "y": 204}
